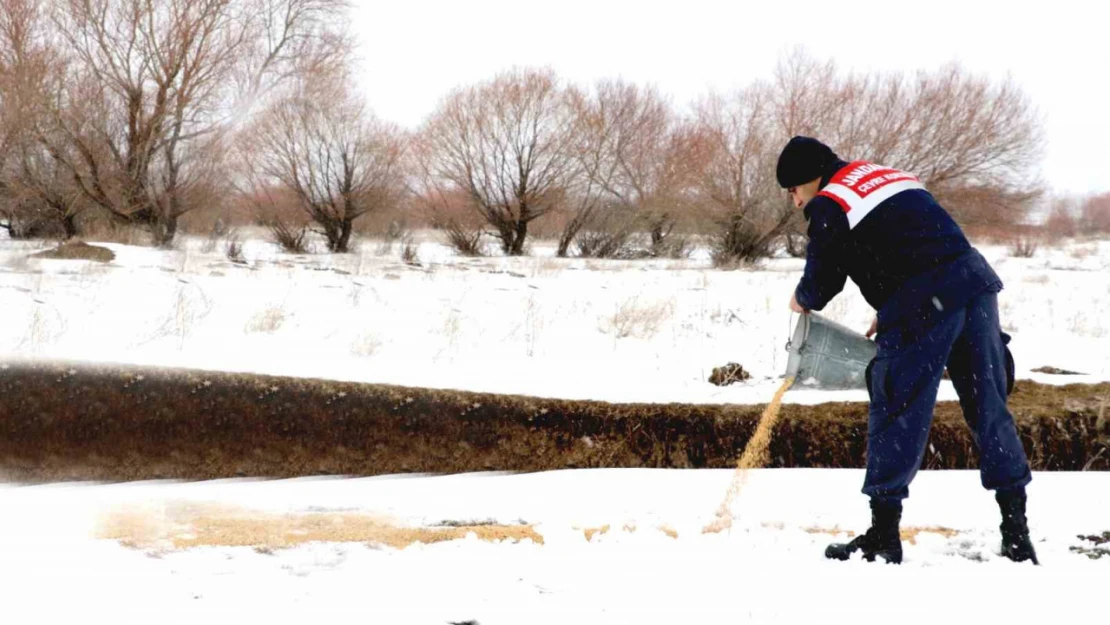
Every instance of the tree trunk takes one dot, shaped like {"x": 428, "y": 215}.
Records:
{"x": 521, "y": 234}
{"x": 331, "y": 233}
{"x": 174, "y": 209}
{"x": 659, "y": 233}
{"x": 570, "y": 232}
{"x": 564, "y": 242}
{"x": 507, "y": 235}
{"x": 164, "y": 228}
{"x": 344, "y": 239}
{"x": 69, "y": 225}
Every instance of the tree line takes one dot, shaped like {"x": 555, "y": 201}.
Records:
{"x": 137, "y": 112}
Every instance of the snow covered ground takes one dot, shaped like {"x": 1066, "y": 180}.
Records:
{"x": 606, "y": 330}
{"x": 652, "y": 565}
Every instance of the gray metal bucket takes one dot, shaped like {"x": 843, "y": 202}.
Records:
{"x": 827, "y": 355}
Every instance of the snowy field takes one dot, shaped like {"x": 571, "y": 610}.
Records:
{"x": 615, "y": 546}
{"x": 646, "y": 559}
{"x": 645, "y": 331}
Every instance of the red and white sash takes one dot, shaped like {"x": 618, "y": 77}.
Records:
{"x": 861, "y": 186}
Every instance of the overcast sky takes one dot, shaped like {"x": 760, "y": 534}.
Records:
{"x": 414, "y": 51}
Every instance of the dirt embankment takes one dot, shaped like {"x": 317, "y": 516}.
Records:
{"x": 62, "y": 422}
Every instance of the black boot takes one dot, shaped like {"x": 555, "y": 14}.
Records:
{"x": 1015, "y": 528}
{"x": 881, "y": 540}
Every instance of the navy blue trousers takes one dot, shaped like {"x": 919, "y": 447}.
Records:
{"x": 903, "y": 383}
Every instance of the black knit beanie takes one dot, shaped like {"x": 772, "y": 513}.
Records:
{"x": 804, "y": 159}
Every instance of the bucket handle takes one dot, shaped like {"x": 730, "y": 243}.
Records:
{"x": 790, "y": 332}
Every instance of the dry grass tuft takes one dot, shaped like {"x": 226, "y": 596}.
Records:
{"x": 233, "y": 249}
{"x": 643, "y": 321}
{"x": 410, "y": 254}
{"x": 1023, "y": 247}
{"x": 290, "y": 238}
{"x": 78, "y": 250}
{"x": 268, "y": 321}
{"x": 366, "y": 345}
{"x": 1084, "y": 252}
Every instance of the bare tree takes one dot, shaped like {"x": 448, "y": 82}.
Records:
{"x": 18, "y": 21}
{"x": 593, "y": 170}
{"x": 442, "y": 206}
{"x": 37, "y": 196}
{"x": 627, "y": 150}
{"x": 801, "y": 94}
{"x": 974, "y": 143}
{"x": 151, "y": 73}
{"x": 506, "y": 143}
{"x": 970, "y": 138}
{"x": 288, "y": 40}
{"x": 1095, "y": 214}
{"x": 737, "y": 153}
{"x": 153, "y": 88}
{"x": 39, "y": 180}
{"x": 1064, "y": 218}
{"x": 329, "y": 150}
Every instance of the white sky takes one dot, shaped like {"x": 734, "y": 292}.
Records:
{"x": 414, "y": 51}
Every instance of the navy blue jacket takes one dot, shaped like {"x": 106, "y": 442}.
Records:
{"x": 909, "y": 258}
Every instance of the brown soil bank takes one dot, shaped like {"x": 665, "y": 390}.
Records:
{"x": 63, "y": 422}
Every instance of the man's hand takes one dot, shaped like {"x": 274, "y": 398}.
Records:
{"x": 874, "y": 327}
{"x": 796, "y": 307}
